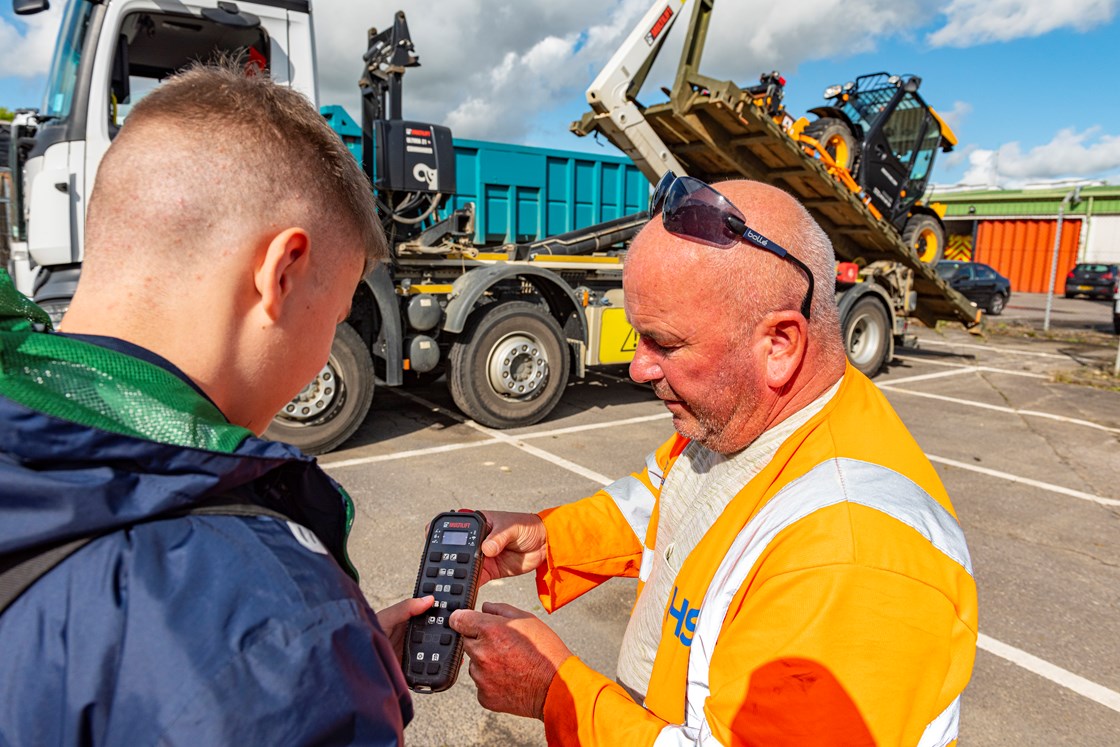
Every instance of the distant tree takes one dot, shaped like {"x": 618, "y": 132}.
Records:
{"x": 6, "y": 115}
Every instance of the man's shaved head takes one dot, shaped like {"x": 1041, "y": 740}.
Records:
{"x": 750, "y": 282}
{"x": 215, "y": 158}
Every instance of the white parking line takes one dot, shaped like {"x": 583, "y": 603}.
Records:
{"x": 970, "y": 367}
{"x": 935, "y": 375}
{"x": 511, "y": 440}
{"x": 497, "y": 439}
{"x": 1045, "y": 669}
{"x": 1064, "y": 677}
{"x": 406, "y": 454}
{"x": 1025, "y": 481}
{"x": 990, "y": 349}
{"x": 596, "y": 426}
{"x": 1000, "y": 408}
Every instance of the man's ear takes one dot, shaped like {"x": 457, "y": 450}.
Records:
{"x": 786, "y": 341}
{"x": 282, "y": 263}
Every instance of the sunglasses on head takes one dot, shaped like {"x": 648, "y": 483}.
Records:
{"x": 693, "y": 210}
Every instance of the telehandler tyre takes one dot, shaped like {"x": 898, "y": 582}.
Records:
{"x": 926, "y": 236}
{"x": 837, "y": 139}
{"x": 510, "y": 366}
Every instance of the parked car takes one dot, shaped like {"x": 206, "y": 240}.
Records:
{"x": 978, "y": 283}
{"x": 1096, "y": 280}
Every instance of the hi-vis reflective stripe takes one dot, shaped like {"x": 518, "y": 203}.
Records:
{"x": 879, "y": 488}
{"x": 634, "y": 499}
{"x": 943, "y": 729}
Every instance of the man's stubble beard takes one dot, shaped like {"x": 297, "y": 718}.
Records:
{"x": 710, "y": 428}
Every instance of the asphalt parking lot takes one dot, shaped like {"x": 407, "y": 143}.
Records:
{"x": 1033, "y": 467}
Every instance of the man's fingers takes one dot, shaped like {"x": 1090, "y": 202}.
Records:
{"x": 505, "y": 610}
{"x": 420, "y": 604}
{"x": 466, "y": 623}
{"x": 399, "y": 613}
{"x": 497, "y": 540}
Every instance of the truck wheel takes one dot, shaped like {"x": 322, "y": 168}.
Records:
{"x": 837, "y": 139}
{"x": 510, "y": 365}
{"x": 867, "y": 335}
{"x": 926, "y": 236}
{"x": 329, "y": 409}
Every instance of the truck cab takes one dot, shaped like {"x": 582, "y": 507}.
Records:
{"x": 108, "y": 55}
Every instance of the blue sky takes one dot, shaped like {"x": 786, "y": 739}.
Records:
{"x": 1028, "y": 85}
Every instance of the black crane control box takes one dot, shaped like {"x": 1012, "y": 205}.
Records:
{"x": 414, "y": 157}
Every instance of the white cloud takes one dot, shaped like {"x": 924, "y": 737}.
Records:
{"x": 25, "y": 45}
{"x": 492, "y": 69}
{"x": 488, "y": 69}
{"x": 956, "y": 116}
{"x": 972, "y": 22}
{"x": 758, "y": 35}
{"x": 982, "y": 168}
{"x": 1087, "y": 154}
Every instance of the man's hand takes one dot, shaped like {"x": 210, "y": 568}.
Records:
{"x": 514, "y": 657}
{"x": 394, "y": 619}
{"x": 517, "y": 544}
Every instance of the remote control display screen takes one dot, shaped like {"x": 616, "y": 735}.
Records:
{"x": 455, "y": 538}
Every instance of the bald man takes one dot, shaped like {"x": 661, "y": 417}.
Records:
{"x": 803, "y": 579}
{"x": 208, "y": 599}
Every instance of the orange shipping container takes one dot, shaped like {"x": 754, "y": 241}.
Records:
{"x": 1022, "y": 250}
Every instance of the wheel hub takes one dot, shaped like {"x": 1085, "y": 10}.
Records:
{"x": 315, "y": 398}
{"x": 863, "y": 340}
{"x": 518, "y": 366}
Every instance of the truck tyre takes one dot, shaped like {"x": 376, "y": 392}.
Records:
{"x": 329, "y": 409}
{"x": 867, "y": 333}
{"x": 926, "y": 236}
{"x": 837, "y": 139}
{"x": 510, "y": 365}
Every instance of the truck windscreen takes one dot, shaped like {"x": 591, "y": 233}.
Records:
{"x": 67, "y": 55}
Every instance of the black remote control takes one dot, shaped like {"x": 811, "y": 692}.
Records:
{"x": 450, "y": 570}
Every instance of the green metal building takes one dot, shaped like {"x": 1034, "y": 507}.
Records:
{"x": 1016, "y": 231}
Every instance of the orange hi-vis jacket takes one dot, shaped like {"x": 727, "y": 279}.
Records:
{"x": 832, "y": 602}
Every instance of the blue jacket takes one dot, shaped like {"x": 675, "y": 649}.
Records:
{"x": 198, "y": 630}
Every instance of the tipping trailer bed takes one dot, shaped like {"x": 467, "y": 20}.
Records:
{"x": 717, "y": 133}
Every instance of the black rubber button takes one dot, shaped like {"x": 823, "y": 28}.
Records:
{"x": 444, "y": 639}
{"x": 428, "y": 587}
{"x": 460, "y": 573}
{"x": 433, "y": 667}
{"x": 418, "y": 667}
{"x": 434, "y": 556}
{"x": 431, "y": 572}
{"x": 463, "y": 558}
{"x": 417, "y": 636}
{"x": 456, "y": 588}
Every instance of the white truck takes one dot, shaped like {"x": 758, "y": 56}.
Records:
{"x": 507, "y": 323}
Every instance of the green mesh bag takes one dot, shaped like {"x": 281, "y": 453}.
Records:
{"x": 101, "y": 388}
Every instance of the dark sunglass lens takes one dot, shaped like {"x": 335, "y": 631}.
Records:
{"x": 658, "y": 200}
{"x": 699, "y": 222}
{"x": 693, "y": 210}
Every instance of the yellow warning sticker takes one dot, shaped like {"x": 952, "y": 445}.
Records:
{"x": 617, "y": 339}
